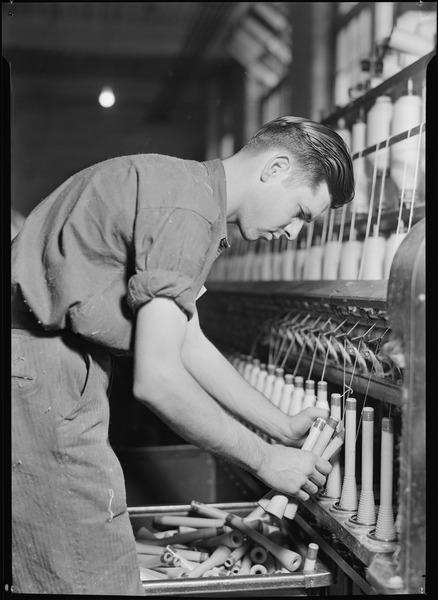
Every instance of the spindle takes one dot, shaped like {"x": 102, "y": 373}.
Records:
{"x": 333, "y": 486}
{"x": 366, "y": 513}
{"x": 385, "y": 526}
{"x": 348, "y": 501}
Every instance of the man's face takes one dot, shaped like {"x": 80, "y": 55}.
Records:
{"x": 281, "y": 210}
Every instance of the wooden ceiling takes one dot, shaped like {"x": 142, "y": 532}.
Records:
{"x": 153, "y": 51}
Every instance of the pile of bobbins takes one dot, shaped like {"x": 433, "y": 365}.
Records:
{"x": 215, "y": 543}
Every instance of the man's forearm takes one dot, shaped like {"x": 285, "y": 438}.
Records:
{"x": 192, "y": 413}
{"x": 220, "y": 379}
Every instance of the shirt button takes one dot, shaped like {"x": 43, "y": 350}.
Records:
{"x": 223, "y": 244}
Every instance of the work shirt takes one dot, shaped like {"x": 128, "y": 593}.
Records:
{"x": 116, "y": 235}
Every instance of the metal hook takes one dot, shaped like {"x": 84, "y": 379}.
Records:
{"x": 366, "y": 333}
{"x": 320, "y": 329}
{"x": 380, "y": 337}
{"x": 336, "y": 328}
{"x": 348, "y": 332}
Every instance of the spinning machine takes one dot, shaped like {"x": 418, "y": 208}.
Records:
{"x": 356, "y": 347}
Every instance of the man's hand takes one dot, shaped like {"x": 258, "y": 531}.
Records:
{"x": 294, "y": 472}
{"x": 300, "y": 424}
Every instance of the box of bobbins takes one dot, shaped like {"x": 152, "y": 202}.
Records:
{"x": 220, "y": 549}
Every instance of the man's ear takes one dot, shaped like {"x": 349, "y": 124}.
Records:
{"x": 277, "y": 165}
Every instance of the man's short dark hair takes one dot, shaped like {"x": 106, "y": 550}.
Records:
{"x": 320, "y": 152}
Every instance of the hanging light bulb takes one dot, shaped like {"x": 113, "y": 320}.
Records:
{"x": 106, "y": 97}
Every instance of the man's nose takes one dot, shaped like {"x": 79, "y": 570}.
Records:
{"x": 293, "y": 229}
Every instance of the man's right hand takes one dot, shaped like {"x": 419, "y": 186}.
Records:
{"x": 296, "y": 473}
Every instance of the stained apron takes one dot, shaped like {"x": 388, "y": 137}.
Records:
{"x": 71, "y": 532}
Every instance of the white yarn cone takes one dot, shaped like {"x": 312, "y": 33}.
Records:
{"x": 261, "y": 378}
{"x": 313, "y": 264}
{"x": 269, "y": 382}
{"x": 277, "y": 261}
{"x": 248, "y": 265}
{"x": 254, "y": 371}
{"x": 288, "y": 264}
{"x": 385, "y": 527}
{"x": 297, "y": 396}
{"x": 332, "y": 254}
{"x": 373, "y": 257}
{"x": 286, "y": 394}
{"x": 309, "y": 399}
{"x": 321, "y": 395}
{"x": 247, "y": 368}
{"x": 300, "y": 255}
{"x": 277, "y": 387}
{"x": 349, "y": 264}
{"x": 266, "y": 266}
{"x": 366, "y": 513}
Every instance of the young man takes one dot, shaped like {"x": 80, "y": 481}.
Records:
{"x": 112, "y": 262}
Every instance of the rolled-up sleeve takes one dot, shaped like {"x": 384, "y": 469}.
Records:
{"x": 170, "y": 248}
